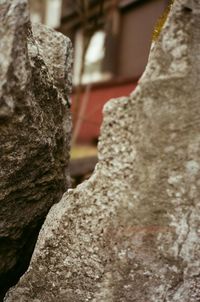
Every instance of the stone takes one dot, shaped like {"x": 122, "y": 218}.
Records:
{"x": 132, "y": 231}
{"x": 35, "y": 126}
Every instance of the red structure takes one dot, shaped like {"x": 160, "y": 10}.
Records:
{"x": 97, "y": 97}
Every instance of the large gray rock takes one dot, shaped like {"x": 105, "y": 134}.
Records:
{"x": 132, "y": 231}
{"x": 35, "y": 125}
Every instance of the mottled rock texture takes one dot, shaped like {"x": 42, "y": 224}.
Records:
{"x": 132, "y": 231}
{"x": 35, "y": 79}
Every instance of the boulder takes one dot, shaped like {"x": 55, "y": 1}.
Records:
{"x": 35, "y": 126}
{"x": 132, "y": 231}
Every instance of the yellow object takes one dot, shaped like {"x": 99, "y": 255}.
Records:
{"x": 161, "y": 21}
{"x": 82, "y": 151}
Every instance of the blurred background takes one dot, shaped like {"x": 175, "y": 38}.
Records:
{"x": 111, "y": 40}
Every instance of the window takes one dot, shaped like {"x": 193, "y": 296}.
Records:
{"x": 53, "y": 13}
{"x": 93, "y": 61}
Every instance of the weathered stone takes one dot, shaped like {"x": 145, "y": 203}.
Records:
{"x": 132, "y": 231}
{"x": 35, "y": 125}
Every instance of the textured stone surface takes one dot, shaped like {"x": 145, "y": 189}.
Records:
{"x": 132, "y": 231}
{"x": 35, "y": 78}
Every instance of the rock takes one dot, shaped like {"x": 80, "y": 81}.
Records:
{"x": 35, "y": 126}
{"x": 132, "y": 231}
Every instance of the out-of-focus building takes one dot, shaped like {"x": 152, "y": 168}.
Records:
{"x": 121, "y": 35}
{"x": 126, "y": 26}
{"x": 48, "y": 12}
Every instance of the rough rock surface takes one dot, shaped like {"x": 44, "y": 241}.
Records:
{"x": 35, "y": 125}
{"x": 132, "y": 231}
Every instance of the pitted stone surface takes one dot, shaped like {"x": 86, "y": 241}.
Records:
{"x": 35, "y": 128}
{"x": 132, "y": 231}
